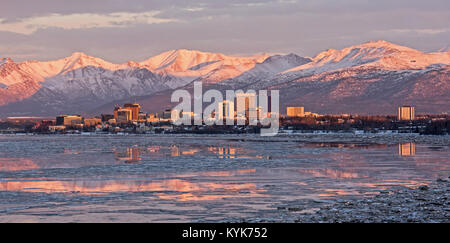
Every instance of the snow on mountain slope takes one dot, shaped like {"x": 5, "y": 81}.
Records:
{"x": 183, "y": 60}
{"x": 271, "y": 66}
{"x": 39, "y": 71}
{"x": 378, "y": 54}
{"x": 445, "y": 49}
{"x": 188, "y": 65}
{"x": 80, "y": 79}
{"x": 379, "y": 71}
{"x": 4, "y": 60}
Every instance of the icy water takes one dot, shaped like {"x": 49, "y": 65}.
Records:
{"x": 202, "y": 178}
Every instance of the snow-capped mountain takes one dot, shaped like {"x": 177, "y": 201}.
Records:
{"x": 188, "y": 65}
{"x": 445, "y": 49}
{"x": 372, "y": 77}
{"x": 77, "y": 83}
{"x": 368, "y": 57}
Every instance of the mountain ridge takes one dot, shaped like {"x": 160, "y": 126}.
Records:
{"x": 53, "y": 87}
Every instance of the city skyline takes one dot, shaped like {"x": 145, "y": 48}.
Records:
{"x": 222, "y": 112}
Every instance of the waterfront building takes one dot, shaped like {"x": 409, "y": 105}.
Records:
{"x": 167, "y": 114}
{"x": 406, "y": 113}
{"x": 66, "y": 120}
{"x": 226, "y": 110}
{"x": 248, "y": 101}
{"x": 135, "y": 109}
{"x": 124, "y": 115}
{"x": 295, "y": 111}
{"x": 89, "y": 122}
{"x": 107, "y": 117}
{"x": 57, "y": 128}
{"x": 153, "y": 118}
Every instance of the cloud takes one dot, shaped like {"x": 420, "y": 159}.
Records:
{"x": 122, "y": 30}
{"x": 30, "y": 25}
{"x": 421, "y": 31}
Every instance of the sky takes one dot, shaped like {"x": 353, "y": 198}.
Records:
{"x": 123, "y": 30}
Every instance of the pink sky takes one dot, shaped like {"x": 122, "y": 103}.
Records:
{"x": 119, "y": 30}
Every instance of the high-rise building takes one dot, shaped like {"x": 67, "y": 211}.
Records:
{"x": 226, "y": 110}
{"x": 268, "y": 103}
{"x": 135, "y": 109}
{"x": 295, "y": 111}
{"x": 249, "y": 100}
{"x": 124, "y": 115}
{"x": 406, "y": 113}
{"x": 116, "y": 109}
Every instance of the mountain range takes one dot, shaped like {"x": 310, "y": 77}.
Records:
{"x": 371, "y": 78}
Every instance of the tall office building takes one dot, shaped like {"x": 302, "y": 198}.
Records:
{"x": 134, "y": 112}
{"x": 267, "y": 105}
{"x": 226, "y": 110}
{"x": 406, "y": 113}
{"x": 124, "y": 115}
{"x": 249, "y": 101}
{"x": 135, "y": 109}
{"x": 116, "y": 109}
{"x": 295, "y": 111}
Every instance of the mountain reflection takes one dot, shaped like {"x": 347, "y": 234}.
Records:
{"x": 17, "y": 164}
{"x": 169, "y": 189}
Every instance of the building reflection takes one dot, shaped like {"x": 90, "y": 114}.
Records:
{"x": 343, "y": 145}
{"x": 131, "y": 155}
{"x": 224, "y": 152}
{"x": 135, "y": 154}
{"x": 406, "y": 149}
{"x": 174, "y": 151}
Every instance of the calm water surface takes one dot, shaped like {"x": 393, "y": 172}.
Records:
{"x": 191, "y": 178}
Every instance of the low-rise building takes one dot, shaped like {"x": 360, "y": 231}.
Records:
{"x": 295, "y": 111}
{"x": 69, "y": 120}
{"x": 90, "y": 122}
{"x": 57, "y": 128}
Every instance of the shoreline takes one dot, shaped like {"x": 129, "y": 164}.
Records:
{"x": 424, "y": 204}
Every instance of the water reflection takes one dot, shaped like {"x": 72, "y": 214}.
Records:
{"x": 332, "y": 173}
{"x": 17, "y": 164}
{"x": 175, "y": 189}
{"x": 131, "y": 155}
{"x": 136, "y": 154}
{"x": 340, "y": 145}
{"x": 319, "y": 169}
{"x": 407, "y": 149}
{"x": 223, "y": 152}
